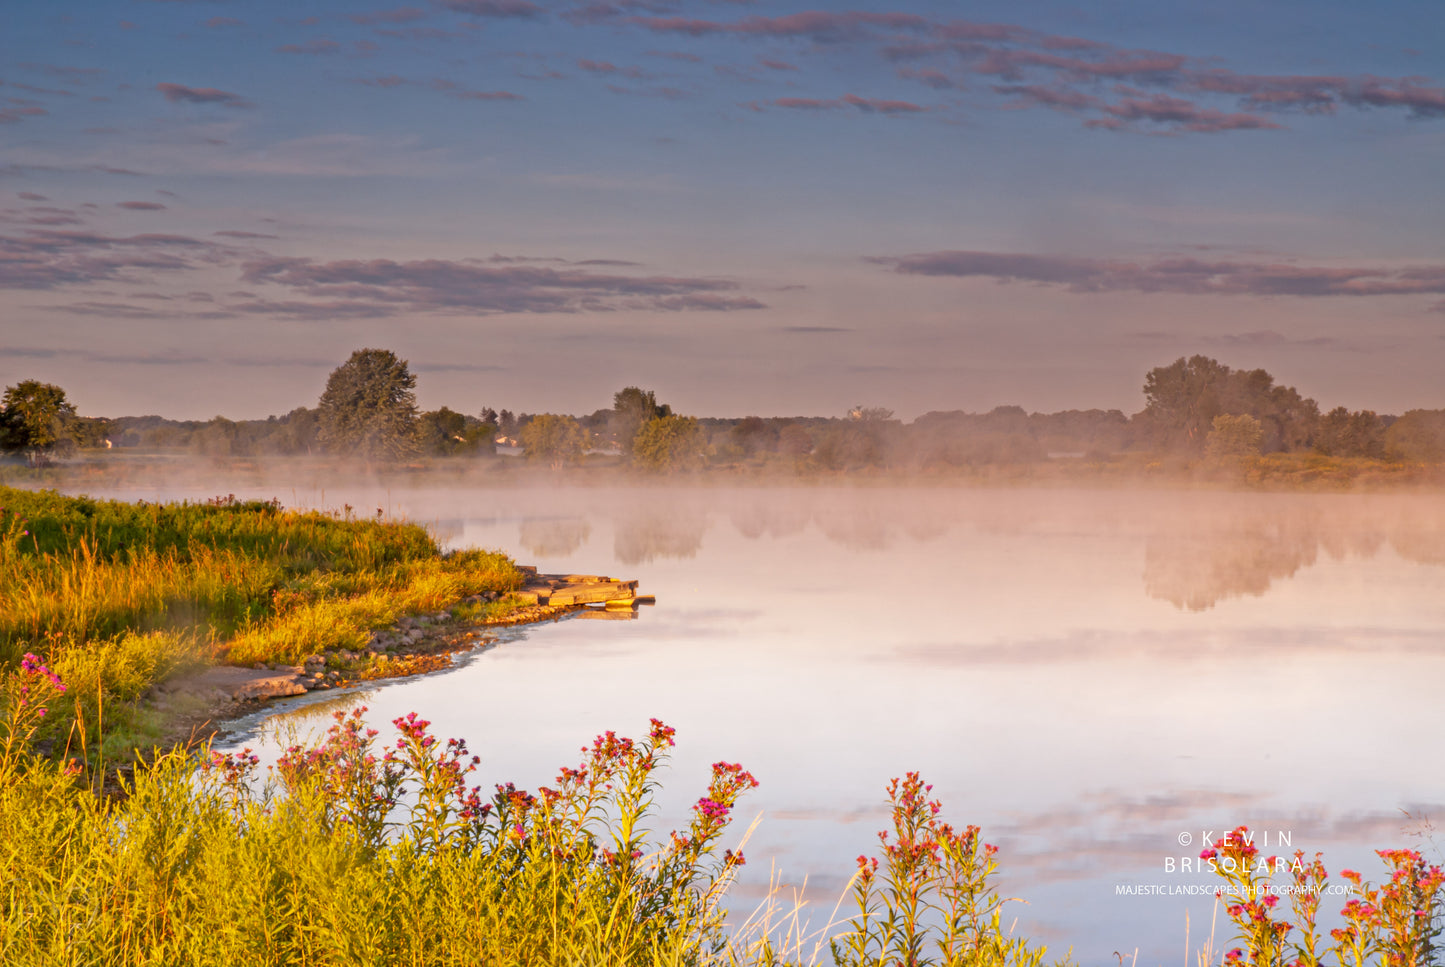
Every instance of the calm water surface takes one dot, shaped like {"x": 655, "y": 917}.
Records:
{"x": 1096, "y": 679}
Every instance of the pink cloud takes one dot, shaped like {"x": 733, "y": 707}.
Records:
{"x": 865, "y": 104}
{"x": 181, "y": 94}
{"x": 498, "y": 9}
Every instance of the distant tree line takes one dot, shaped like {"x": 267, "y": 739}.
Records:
{"x": 1194, "y": 407}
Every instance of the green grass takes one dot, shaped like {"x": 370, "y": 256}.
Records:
{"x": 118, "y": 597}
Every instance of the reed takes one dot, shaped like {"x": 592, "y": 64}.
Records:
{"x": 119, "y": 596}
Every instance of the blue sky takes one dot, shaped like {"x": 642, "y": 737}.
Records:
{"x": 751, "y": 207}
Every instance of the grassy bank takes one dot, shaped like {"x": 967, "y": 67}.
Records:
{"x": 118, "y": 597}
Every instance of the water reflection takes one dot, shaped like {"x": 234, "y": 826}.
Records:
{"x": 646, "y": 534}
{"x": 1237, "y": 551}
{"x": 555, "y": 538}
{"x": 1199, "y": 549}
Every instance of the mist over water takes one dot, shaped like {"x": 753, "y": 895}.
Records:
{"x": 1094, "y": 677}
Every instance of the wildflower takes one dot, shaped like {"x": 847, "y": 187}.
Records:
{"x": 1208, "y": 854}
{"x": 711, "y": 808}
{"x": 661, "y": 734}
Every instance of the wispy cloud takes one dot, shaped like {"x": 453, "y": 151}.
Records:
{"x": 1177, "y": 275}
{"x": 13, "y": 115}
{"x": 500, "y": 9}
{"x": 182, "y": 94}
{"x": 1068, "y": 73}
{"x": 440, "y": 85}
{"x": 386, "y": 287}
{"x": 396, "y": 15}
{"x": 47, "y": 258}
{"x": 867, "y": 105}
{"x": 608, "y": 68}
{"x": 319, "y": 46}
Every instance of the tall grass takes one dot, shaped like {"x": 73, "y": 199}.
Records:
{"x": 354, "y": 852}
{"x": 119, "y": 596}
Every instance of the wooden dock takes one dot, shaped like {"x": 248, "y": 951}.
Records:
{"x": 570, "y": 590}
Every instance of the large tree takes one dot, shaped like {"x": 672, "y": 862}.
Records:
{"x": 670, "y": 443}
{"x": 554, "y": 438}
{"x": 369, "y": 407}
{"x": 631, "y": 408}
{"x": 35, "y": 418}
{"x": 1184, "y": 397}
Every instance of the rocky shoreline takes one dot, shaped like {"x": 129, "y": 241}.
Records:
{"x": 195, "y": 707}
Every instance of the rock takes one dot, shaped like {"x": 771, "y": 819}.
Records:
{"x": 273, "y": 686}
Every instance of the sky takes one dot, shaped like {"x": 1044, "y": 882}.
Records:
{"x": 749, "y": 207}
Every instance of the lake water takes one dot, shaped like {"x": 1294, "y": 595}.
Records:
{"x": 1098, "y": 679}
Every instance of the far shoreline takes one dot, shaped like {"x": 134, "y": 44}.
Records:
{"x": 171, "y": 472}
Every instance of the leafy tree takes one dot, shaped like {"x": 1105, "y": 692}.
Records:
{"x": 445, "y": 432}
{"x": 795, "y": 440}
{"x": 631, "y": 408}
{"x": 88, "y": 431}
{"x": 1234, "y": 437}
{"x": 860, "y": 441}
{"x": 554, "y": 438}
{"x": 753, "y": 434}
{"x": 441, "y": 432}
{"x": 296, "y": 432}
{"x": 35, "y": 418}
{"x": 1419, "y": 435}
{"x": 670, "y": 443}
{"x": 1183, "y": 398}
{"x": 218, "y": 438}
{"x": 369, "y": 407}
{"x": 1345, "y": 434}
